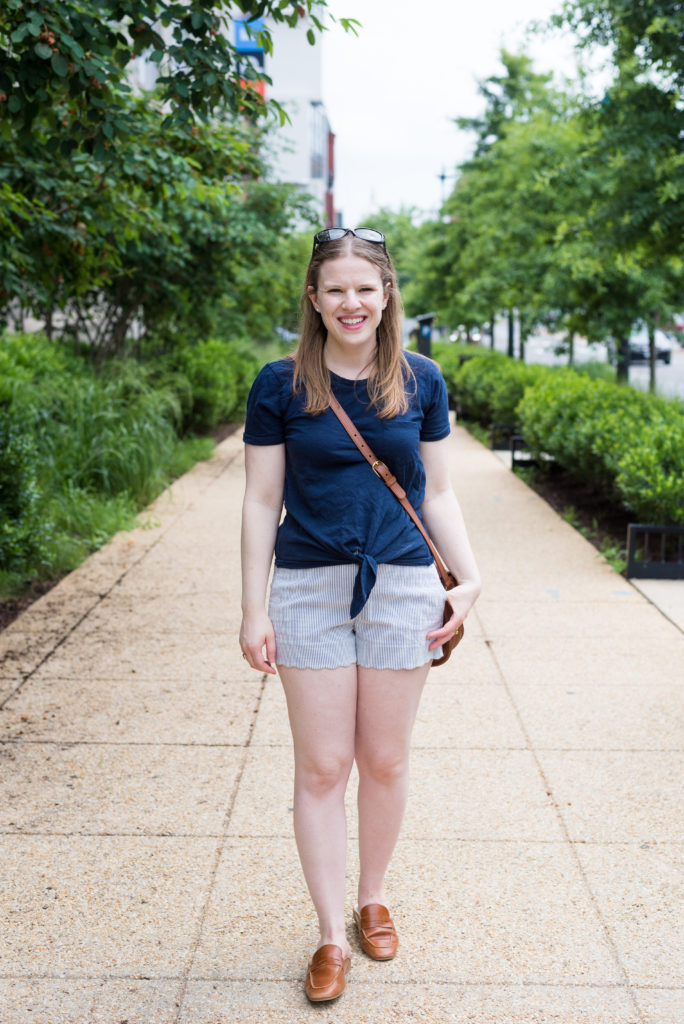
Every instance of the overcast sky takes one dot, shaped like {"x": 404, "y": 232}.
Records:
{"x": 392, "y": 93}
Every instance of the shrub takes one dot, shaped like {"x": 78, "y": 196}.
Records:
{"x": 219, "y": 374}
{"x": 451, "y": 356}
{"x": 23, "y": 535}
{"x": 624, "y": 443}
{"x": 80, "y": 453}
{"x": 489, "y": 387}
{"x": 650, "y": 478}
{"x": 111, "y": 434}
{"x": 627, "y": 444}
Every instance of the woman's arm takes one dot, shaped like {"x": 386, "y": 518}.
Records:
{"x": 444, "y": 522}
{"x": 261, "y": 509}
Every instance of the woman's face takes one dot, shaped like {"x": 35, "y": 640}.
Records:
{"x": 350, "y": 298}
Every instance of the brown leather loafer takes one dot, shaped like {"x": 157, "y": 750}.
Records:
{"x": 377, "y": 933}
{"x": 327, "y": 973}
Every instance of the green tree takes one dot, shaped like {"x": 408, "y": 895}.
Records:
{"x": 573, "y": 211}
{"x": 116, "y": 205}
{"x": 71, "y": 58}
{"x": 517, "y": 95}
{"x": 488, "y": 254}
{"x": 104, "y": 245}
{"x": 402, "y": 230}
{"x": 651, "y": 30}
{"x": 627, "y": 239}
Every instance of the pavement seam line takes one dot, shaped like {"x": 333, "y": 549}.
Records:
{"x": 218, "y": 854}
{"x": 564, "y": 829}
{"x": 653, "y": 604}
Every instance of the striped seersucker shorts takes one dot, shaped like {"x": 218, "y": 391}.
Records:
{"x": 309, "y": 609}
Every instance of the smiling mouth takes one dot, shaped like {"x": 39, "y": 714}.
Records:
{"x": 352, "y": 321}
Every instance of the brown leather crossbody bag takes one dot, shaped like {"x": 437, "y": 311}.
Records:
{"x": 381, "y": 470}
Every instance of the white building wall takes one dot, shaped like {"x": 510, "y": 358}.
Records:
{"x": 301, "y": 147}
{"x": 299, "y": 153}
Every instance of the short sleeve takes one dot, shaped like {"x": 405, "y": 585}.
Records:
{"x": 435, "y": 424}
{"x": 264, "y": 421}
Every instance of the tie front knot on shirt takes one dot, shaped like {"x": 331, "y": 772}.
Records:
{"x": 363, "y": 584}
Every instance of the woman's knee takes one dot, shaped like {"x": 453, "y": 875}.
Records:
{"x": 323, "y": 774}
{"x": 385, "y": 767}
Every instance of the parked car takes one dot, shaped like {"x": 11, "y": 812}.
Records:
{"x": 639, "y": 347}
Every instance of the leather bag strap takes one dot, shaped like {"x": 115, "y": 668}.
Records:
{"x": 382, "y": 471}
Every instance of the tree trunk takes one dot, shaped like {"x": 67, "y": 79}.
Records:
{"x": 511, "y": 333}
{"x": 571, "y": 348}
{"x": 118, "y": 331}
{"x": 623, "y": 360}
{"x": 651, "y": 359}
{"x": 491, "y": 330}
{"x": 523, "y": 337}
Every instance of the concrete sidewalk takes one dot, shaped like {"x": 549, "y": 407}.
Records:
{"x": 149, "y": 871}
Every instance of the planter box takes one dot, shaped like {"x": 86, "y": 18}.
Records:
{"x": 655, "y": 552}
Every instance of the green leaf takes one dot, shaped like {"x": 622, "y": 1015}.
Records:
{"x": 59, "y": 65}
{"x": 43, "y": 51}
{"x": 75, "y": 47}
{"x": 311, "y": 37}
{"x": 14, "y": 104}
{"x": 19, "y": 33}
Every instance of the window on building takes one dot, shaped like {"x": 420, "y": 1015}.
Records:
{"x": 318, "y": 135}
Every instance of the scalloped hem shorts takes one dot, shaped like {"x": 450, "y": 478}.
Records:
{"x": 309, "y": 609}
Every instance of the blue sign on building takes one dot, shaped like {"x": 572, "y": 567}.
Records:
{"x": 244, "y": 42}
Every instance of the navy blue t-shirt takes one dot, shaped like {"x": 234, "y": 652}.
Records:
{"x": 337, "y": 509}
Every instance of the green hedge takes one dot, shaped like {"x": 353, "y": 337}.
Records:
{"x": 219, "y": 375}
{"x": 490, "y": 387}
{"x": 81, "y": 453}
{"x": 452, "y": 357}
{"x": 626, "y": 444}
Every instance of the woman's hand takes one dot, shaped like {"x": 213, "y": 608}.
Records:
{"x": 461, "y": 598}
{"x": 257, "y": 635}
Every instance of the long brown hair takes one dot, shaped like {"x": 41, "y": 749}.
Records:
{"x": 390, "y": 372}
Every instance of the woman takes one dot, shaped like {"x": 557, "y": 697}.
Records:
{"x": 355, "y": 610}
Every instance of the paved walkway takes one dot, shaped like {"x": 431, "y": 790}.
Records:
{"x": 149, "y": 870}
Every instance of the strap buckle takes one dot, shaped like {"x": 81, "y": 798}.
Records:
{"x": 378, "y": 462}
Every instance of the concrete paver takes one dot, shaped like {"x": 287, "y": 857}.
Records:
{"x": 667, "y": 595}
{"x": 149, "y": 869}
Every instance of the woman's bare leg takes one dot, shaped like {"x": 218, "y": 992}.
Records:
{"x": 322, "y": 709}
{"x": 387, "y": 704}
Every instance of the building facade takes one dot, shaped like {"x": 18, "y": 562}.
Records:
{"x": 304, "y": 149}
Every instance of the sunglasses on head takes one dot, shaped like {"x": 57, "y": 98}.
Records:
{"x": 333, "y": 234}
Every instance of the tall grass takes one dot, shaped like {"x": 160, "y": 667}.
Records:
{"x": 80, "y": 453}
{"x": 111, "y": 436}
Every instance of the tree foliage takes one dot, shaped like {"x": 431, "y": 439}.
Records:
{"x": 570, "y": 209}
{"x": 650, "y": 30}
{"x": 115, "y": 204}
{"x": 71, "y": 58}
